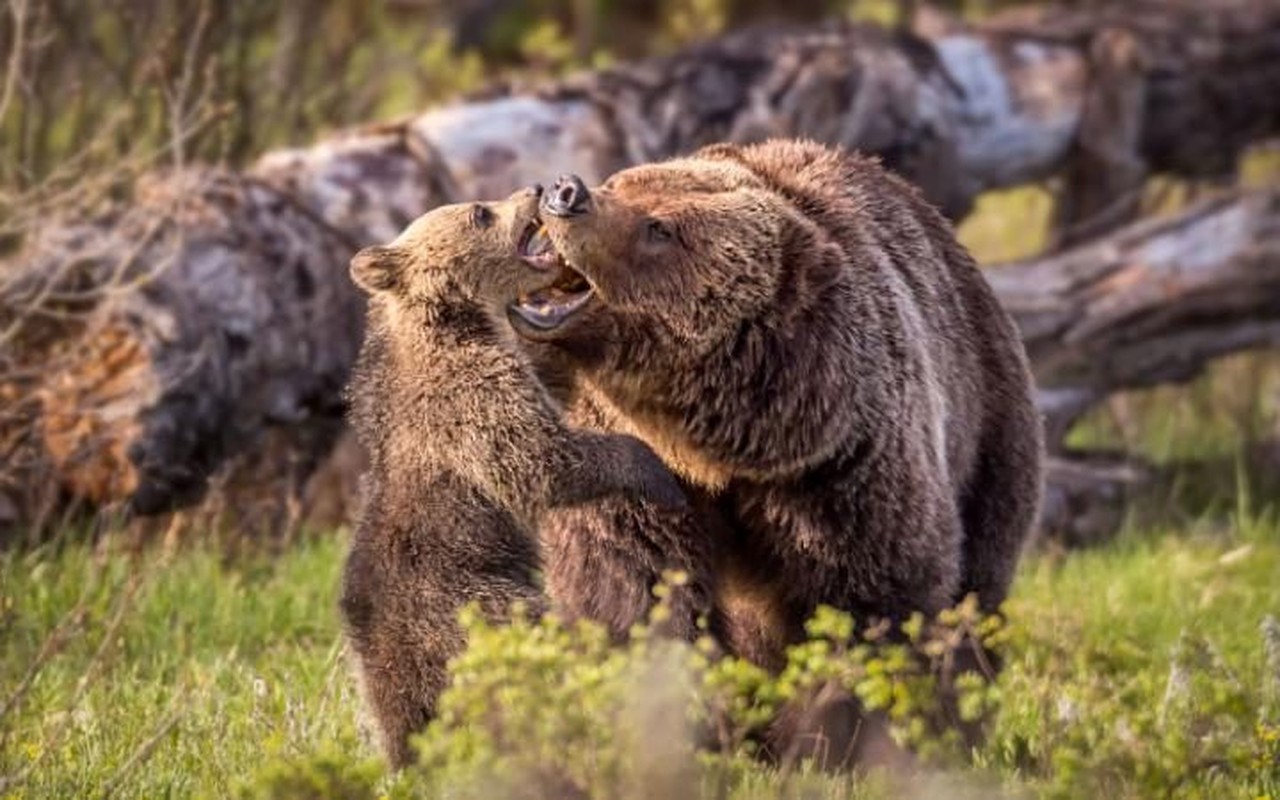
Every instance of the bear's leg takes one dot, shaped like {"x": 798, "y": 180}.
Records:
{"x": 1000, "y": 505}
{"x": 397, "y": 707}
{"x": 603, "y": 561}
{"x": 604, "y": 464}
{"x": 998, "y": 512}
{"x": 830, "y": 729}
{"x": 399, "y": 660}
{"x": 881, "y": 541}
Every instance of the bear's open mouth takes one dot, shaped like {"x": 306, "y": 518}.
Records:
{"x": 536, "y": 247}
{"x": 547, "y": 308}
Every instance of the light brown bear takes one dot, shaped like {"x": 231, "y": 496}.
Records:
{"x": 800, "y": 336}
{"x": 467, "y": 451}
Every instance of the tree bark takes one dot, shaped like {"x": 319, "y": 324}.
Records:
{"x": 180, "y": 329}
{"x": 1152, "y": 303}
{"x": 1169, "y": 87}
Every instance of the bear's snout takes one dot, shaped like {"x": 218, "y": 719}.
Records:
{"x": 567, "y": 198}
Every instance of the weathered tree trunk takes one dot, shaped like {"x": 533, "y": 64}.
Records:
{"x": 1169, "y": 87}
{"x": 216, "y": 307}
{"x": 1149, "y": 304}
{"x": 1152, "y": 303}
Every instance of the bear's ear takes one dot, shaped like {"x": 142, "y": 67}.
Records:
{"x": 722, "y": 151}
{"x": 377, "y": 269}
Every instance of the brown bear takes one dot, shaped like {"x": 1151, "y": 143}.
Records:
{"x": 466, "y": 452}
{"x": 800, "y": 336}
{"x": 602, "y": 561}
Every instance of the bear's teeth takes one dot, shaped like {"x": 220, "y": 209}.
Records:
{"x": 570, "y": 281}
{"x": 539, "y": 243}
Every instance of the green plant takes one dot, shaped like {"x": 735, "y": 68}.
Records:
{"x": 190, "y": 673}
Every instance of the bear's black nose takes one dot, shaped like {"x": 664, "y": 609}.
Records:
{"x": 567, "y": 198}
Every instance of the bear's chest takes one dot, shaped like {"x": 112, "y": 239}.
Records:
{"x": 663, "y": 430}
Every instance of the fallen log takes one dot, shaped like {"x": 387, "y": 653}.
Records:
{"x": 1171, "y": 87}
{"x": 1086, "y": 496}
{"x": 242, "y": 328}
{"x": 1152, "y": 303}
{"x": 216, "y": 306}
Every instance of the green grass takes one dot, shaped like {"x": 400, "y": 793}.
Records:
{"x": 184, "y": 674}
{"x": 226, "y": 663}
{"x": 1085, "y": 696}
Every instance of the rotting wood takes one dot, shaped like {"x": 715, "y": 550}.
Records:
{"x": 245, "y": 321}
{"x": 1150, "y": 304}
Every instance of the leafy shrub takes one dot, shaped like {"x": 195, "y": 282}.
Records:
{"x": 541, "y": 709}
{"x": 544, "y": 709}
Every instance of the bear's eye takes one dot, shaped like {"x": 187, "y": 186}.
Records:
{"x": 659, "y": 232}
{"x": 481, "y": 216}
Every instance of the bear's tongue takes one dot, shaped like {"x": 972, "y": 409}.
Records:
{"x": 548, "y": 308}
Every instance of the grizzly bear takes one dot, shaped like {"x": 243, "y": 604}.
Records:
{"x": 466, "y": 452}
{"x": 617, "y": 550}
{"x": 799, "y": 335}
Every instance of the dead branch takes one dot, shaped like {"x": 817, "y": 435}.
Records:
{"x": 1150, "y": 304}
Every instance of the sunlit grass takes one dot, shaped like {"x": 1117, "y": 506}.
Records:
{"x": 189, "y": 682}
{"x": 225, "y": 663}
{"x": 1008, "y": 224}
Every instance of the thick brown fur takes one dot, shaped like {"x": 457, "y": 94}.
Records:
{"x": 800, "y": 336}
{"x": 467, "y": 452}
{"x": 602, "y": 561}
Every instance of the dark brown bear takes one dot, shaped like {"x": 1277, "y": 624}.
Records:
{"x": 466, "y": 450}
{"x": 603, "y": 561}
{"x": 799, "y": 335}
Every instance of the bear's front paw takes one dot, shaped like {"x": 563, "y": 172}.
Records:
{"x": 652, "y": 480}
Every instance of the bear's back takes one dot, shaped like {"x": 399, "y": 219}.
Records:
{"x": 420, "y": 387}
{"x": 883, "y": 223}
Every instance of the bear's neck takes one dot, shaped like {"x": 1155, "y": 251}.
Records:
{"x": 408, "y": 351}
{"x": 453, "y": 316}
{"x": 771, "y": 401}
